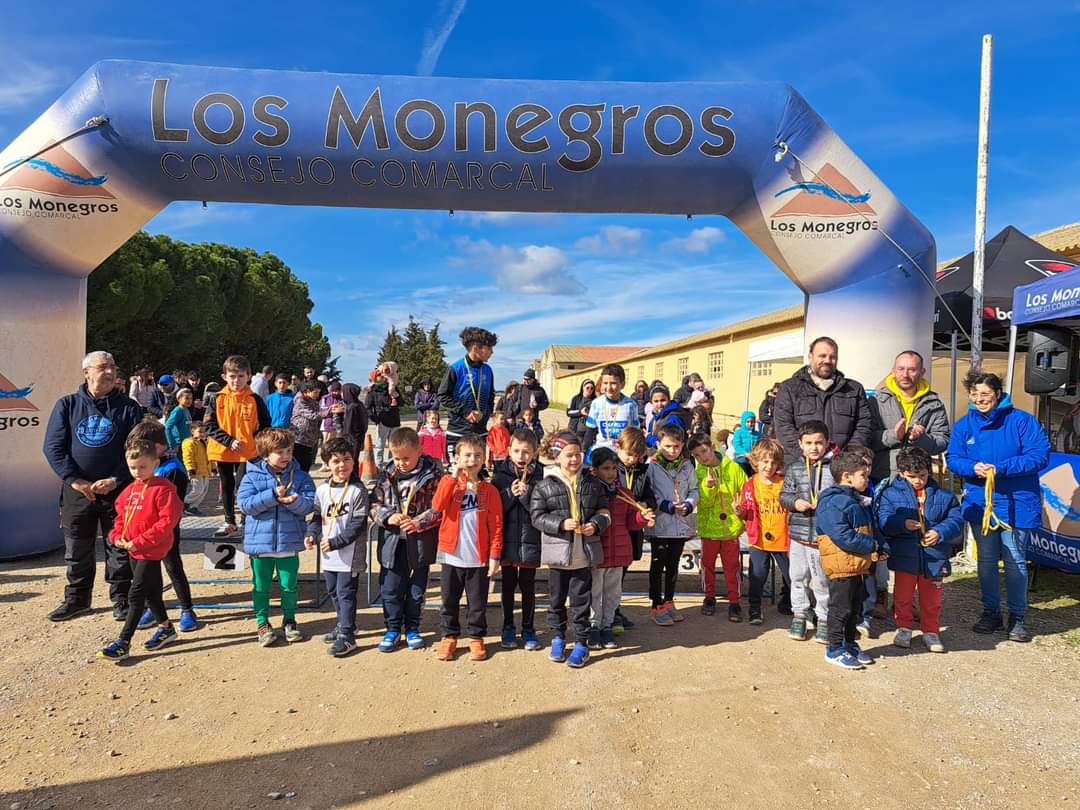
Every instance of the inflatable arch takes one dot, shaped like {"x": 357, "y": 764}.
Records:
{"x": 130, "y": 137}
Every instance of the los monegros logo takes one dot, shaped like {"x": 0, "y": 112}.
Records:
{"x": 54, "y": 173}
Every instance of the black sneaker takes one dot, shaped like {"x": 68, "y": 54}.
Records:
{"x": 755, "y": 616}
{"x": 708, "y": 607}
{"x": 68, "y": 610}
{"x": 734, "y": 612}
{"x": 989, "y": 622}
{"x": 119, "y": 611}
{"x": 1016, "y": 629}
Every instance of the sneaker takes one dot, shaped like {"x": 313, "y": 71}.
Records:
{"x": 842, "y": 658}
{"x": 390, "y": 640}
{"x": 661, "y": 616}
{"x": 673, "y": 612}
{"x": 1016, "y": 629}
{"x": 607, "y": 639}
{"x": 116, "y": 651}
{"x": 623, "y": 619}
{"x": 292, "y": 633}
{"x": 228, "y": 530}
{"x": 594, "y": 642}
{"x": 509, "y": 639}
{"x": 529, "y": 640}
{"x": 558, "y": 649}
{"x": 161, "y": 637}
{"x": 447, "y": 648}
{"x": 857, "y": 653}
{"x": 341, "y": 647}
{"x": 755, "y": 616}
{"x": 267, "y": 636}
{"x": 933, "y": 642}
{"x": 864, "y": 628}
{"x": 989, "y": 622}
{"x": 477, "y": 649}
{"x": 331, "y": 637}
{"x": 797, "y": 630}
{"x": 821, "y": 633}
{"x": 413, "y": 640}
{"x": 708, "y": 607}
{"x": 902, "y": 638}
{"x": 119, "y": 611}
{"x": 578, "y": 656}
{"x": 734, "y": 612}
{"x": 67, "y": 610}
{"x": 146, "y": 621}
{"x": 188, "y": 621}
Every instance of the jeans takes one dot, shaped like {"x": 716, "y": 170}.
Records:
{"x": 473, "y": 582}
{"x": 576, "y": 585}
{"x": 262, "y": 580}
{"x": 845, "y": 602}
{"x": 759, "y": 568}
{"x": 82, "y": 519}
{"x": 145, "y": 590}
{"x": 664, "y": 569}
{"x": 342, "y": 587}
{"x": 524, "y": 579}
{"x": 402, "y": 590}
{"x": 1010, "y": 546}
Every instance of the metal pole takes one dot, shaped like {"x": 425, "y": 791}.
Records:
{"x": 1012, "y": 359}
{"x": 953, "y": 352}
{"x": 980, "y": 204}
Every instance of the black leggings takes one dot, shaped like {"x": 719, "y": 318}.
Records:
{"x": 145, "y": 590}
{"x": 231, "y": 472}
{"x": 514, "y": 578}
{"x": 664, "y": 569}
{"x": 174, "y": 566}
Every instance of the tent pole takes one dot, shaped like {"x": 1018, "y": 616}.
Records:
{"x": 980, "y": 204}
{"x": 1012, "y": 359}
{"x": 953, "y": 352}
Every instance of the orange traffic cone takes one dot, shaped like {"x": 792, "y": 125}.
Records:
{"x": 368, "y": 471}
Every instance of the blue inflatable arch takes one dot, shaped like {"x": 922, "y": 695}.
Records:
{"x": 130, "y": 137}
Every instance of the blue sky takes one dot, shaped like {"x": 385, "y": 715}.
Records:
{"x": 898, "y": 82}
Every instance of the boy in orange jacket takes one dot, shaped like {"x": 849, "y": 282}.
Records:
{"x": 470, "y": 537}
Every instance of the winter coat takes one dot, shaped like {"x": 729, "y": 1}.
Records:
{"x": 425, "y": 401}
{"x": 797, "y": 485}
{"x": 521, "y": 540}
{"x": 489, "y": 517}
{"x": 744, "y": 438}
{"x": 387, "y": 498}
{"x": 550, "y": 506}
{"x": 354, "y": 422}
{"x": 616, "y": 542}
{"x": 305, "y": 421}
{"x": 195, "y": 459}
{"x": 895, "y": 503}
{"x": 331, "y": 422}
{"x": 271, "y": 526}
{"x": 380, "y": 407}
{"x": 716, "y": 517}
{"x": 673, "y": 486}
{"x": 1015, "y": 443}
{"x": 463, "y": 384}
{"x": 843, "y": 407}
{"x": 235, "y": 415}
{"x": 886, "y": 411}
{"x": 85, "y": 436}
{"x": 845, "y": 533}
{"x": 578, "y": 410}
{"x": 177, "y": 428}
{"x": 674, "y": 413}
{"x": 750, "y": 509}
{"x": 155, "y": 510}
{"x": 280, "y": 407}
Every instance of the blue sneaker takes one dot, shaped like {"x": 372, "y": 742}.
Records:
{"x": 558, "y": 650}
{"x": 413, "y": 640}
{"x": 116, "y": 651}
{"x": 856, "y": 652}
{"x": 578, "y": 656}
{"x": 509, "y": 639}
{"x": 161, "y": 637}
{"x": 147, "y": 620}
{"x": 529, "y": 640}
{"x": 188, "y": 621}
{"x": 390, "y": 640}
{"x": 842, "y": 658}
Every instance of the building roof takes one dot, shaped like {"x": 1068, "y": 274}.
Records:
{"x": 591, "y": 355}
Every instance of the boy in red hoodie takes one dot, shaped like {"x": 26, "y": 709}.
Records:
{"x": 470, "y": 537}
{"x": 147, "y": 511}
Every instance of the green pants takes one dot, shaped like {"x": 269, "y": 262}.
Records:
{"x": 262, "y": 578}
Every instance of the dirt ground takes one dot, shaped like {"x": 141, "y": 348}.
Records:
{"x": 706, "y": 714}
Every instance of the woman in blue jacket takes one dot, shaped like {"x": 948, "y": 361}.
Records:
{"x": 996, "y": 436}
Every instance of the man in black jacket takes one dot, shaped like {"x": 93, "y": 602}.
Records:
{"x": 84, "y": 445}
{"x": 818, "y": 391}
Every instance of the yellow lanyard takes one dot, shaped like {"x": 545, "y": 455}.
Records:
{"x": 815, "y": 488}
{"x": 472, "y": 385}
{"x": 990, "y": 521}
{"x": 133, "y": 504}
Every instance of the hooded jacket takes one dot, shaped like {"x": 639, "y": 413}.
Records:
{"x": 716, "y": 516}
{"x": 845, "y": 533}
{"x": 521, "y": 540}
{"x": 146, "y": 514}
{"x": 1015, "y": 443}
{"x": 272, "y": 526}
{"x": 843, "y": 407}
{"x": 895, "y": 503}
{"x": 673, "y": 484}
{"x": 550, "y": 506}
{"x": 388, "y": 497}
{"x": 85, "y": 436}
{"x": 744, "y": 438}
{"x": 305, "y": 421}
{"x": 798, "y": 484}
{"x": 886, "y": 410}
{"x": 235, "y": 415}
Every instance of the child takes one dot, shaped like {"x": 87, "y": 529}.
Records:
{"x": 498, "y": 439}
{"x": 845, "y": 533}
{"x": 720, "y": 482}
{"x": 280, "y": 403}
{"x": 674, "y": 484}
{"x": 403, "y": 498}
{"x": 569, "y": 509}
{"x": 193, "y": 454}
{"x": 515, "y": 479}
{"x": 766, "y": 521}
{"x": 338, "y": 526}
{"x": 746, "y": 436}
{"x": 921, "y": 521}
{"x": 433, "y": 438}
{"x": 633, "y": 476}
{"x": 627, "y": 516}
{"x": 470, "y": 538}
{"x": 232, "y": 422}
{"x": 304, "y": 423}
{"x": 611, "y": 412}
{"x": 178, "y": 424}
{"x": 467, "y": 390}
{"x": 277, "y": 496}
{"x": 804, "y": 481}
{"x": 147, "y": 511}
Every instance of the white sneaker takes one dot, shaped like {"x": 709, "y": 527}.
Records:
{"x": 902, "y": 637}
{"x": 933, "y": 642}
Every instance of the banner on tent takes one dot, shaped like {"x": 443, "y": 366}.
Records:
{"x": 1057, "y": 543}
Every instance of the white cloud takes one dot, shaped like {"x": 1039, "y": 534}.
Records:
{"x": 700, "y": 240}
{"x": 612, "y": 239}
{"x": 435, "y": 41}
{"x": 531, "y": 269}
{"x": 26, "y": 81}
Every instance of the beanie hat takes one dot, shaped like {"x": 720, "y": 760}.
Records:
{"x": 561, "y": 440}
{"x": 660, "y": 387}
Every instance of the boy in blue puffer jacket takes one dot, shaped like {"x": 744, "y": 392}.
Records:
{"x": 276, "y": 495}
{"x": 743, "y": 441}
{"x": 923, "y": 524}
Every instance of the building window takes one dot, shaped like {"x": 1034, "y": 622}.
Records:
{"x": 716, "y": 365}
{"x": 641, "y": 372}
{"x": 658, "y": 371}
{"x": 761, "y": 368}
{"x": 684, "y": 365}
